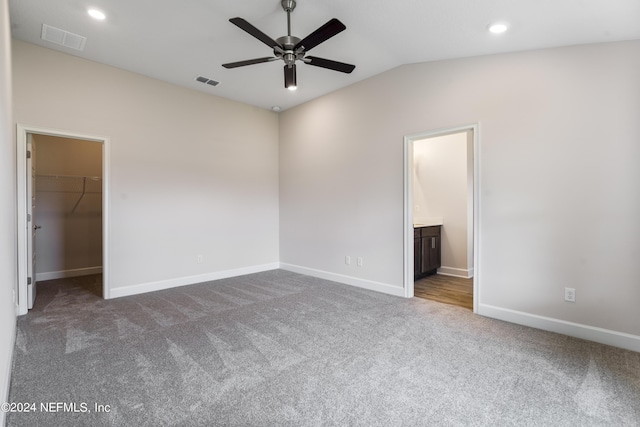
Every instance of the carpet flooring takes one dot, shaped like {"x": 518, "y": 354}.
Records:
{"x": 282, "y": 349}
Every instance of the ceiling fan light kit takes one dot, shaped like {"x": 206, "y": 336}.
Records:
{"x": 290, "y": 49}
{"x": 290, "y": 77}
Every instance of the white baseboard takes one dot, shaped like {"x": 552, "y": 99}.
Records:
{"x": 347, "y": 280}
{"x": 6, "y": 384}
{"x": 456, "y": 272}
{"x": 63, "y": 274}
{"x": 123, "y": 291}
{"x": 590, "y": 333}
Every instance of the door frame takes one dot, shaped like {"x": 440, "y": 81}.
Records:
{"x": 31, "y": 240}
{"x": 408, "y": 205}
{"x": 22, "y": 130}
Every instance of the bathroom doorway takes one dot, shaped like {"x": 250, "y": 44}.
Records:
{"x": 441, "y": 186}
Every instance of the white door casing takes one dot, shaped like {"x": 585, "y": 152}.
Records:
{"x": 31, "y": 221}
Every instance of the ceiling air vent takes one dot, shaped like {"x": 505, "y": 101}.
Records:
{"x": 207, "y": 81}
{"x": 62, "y": 37}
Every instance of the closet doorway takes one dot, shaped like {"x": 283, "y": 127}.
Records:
{"x": 65, "y": 210}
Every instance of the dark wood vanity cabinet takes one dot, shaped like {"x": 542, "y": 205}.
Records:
{"x": 426, "y": 250}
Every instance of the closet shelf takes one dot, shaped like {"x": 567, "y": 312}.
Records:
{"x": 68, "y": 184}
{"x": 94, "y": 178}
{"x": 71, "y": 184}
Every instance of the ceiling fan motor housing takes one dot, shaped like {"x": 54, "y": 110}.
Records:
{"x": 288, "y": 42}
{"x": 288, "y": 54}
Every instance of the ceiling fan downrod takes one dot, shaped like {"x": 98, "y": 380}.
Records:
{"x": 288, "y": 6}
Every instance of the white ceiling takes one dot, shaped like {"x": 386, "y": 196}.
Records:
{"x": 177, "y": 40}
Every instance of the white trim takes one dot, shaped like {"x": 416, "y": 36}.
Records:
{"x": 347, "y": 280}
{"x": 4, "y": 393}
{"x": 577, "y": 330}
{"x": 408, "y": 205}
{"x": 141, "y": 288}
{"x": 408, "y": 274}
{"x": 63, "y": 274}
{"x": 23, "y": 233}
{"x": 476, "y": 217}
{"x": 465, "y": 273}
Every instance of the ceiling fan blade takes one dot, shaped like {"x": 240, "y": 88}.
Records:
{"x": 320, "y": 35}
{"x": 249, "y": 62}
{"x": 331, "y": 65}
{"x": 244, "y": 25}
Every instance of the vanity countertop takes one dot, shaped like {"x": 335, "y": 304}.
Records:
{"x": 428, "y": 222}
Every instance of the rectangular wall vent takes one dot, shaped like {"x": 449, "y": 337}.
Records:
{"x": 207, "y": 81}
{"x": 62, "y": 37}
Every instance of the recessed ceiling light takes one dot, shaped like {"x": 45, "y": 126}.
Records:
{"x": 95, "y": 13}
{"x": 498, "y": 28}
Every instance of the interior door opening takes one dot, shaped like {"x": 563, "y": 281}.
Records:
{"x": 441, "y": 216}
{"x": 63, "y": 182}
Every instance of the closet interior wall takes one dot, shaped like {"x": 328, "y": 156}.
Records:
{"x": 68, "y": 191}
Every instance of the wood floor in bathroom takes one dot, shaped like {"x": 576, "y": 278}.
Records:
{"x": 447, "y": 289}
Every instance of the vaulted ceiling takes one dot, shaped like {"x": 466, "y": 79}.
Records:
{"x": 176, "y": 41}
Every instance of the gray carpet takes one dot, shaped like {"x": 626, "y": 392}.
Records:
{"x": 282, "y": 349}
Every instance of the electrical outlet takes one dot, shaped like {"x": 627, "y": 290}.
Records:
{"x": 360, "y": 261}
{"x": 199, "y": 259}
{"x": 347, "y": 260}
{"x": 570, "y": 294}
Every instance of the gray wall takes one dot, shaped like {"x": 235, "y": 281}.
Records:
{"x": 559, "y": 177}
{"x": 8, "y": 260}
{"x": 189, "y": 173}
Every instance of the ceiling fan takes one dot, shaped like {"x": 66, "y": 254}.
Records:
{"x": 291, "y": 49}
